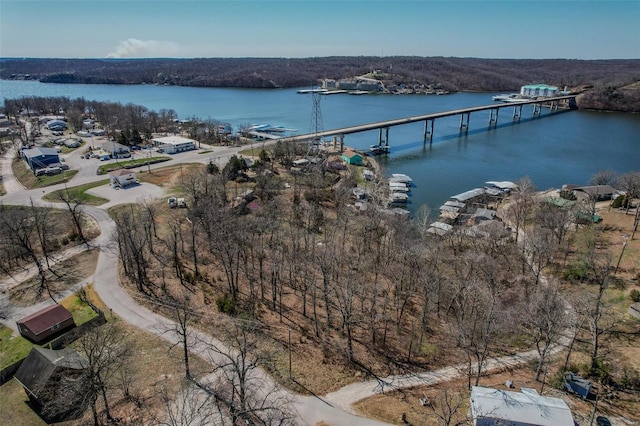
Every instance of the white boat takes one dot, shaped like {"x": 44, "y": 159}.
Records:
{"x": 505, "y": 97}
{"x": 379, "y": 149}
{"x": 401, "y": 177}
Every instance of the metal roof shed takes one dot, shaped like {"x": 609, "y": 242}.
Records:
{"x": 469, "y": 195}
{"x": 527, "y": 408}
{"x": 46, "y": 322}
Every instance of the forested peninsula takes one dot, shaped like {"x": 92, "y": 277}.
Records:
{"x": 612, "y": 85}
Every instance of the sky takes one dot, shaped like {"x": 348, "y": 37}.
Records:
{"x": 517, "y": 29}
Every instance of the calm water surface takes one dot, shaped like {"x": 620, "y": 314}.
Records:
{"x": 566, "y": 147}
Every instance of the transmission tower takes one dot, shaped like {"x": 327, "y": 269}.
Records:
{"x": 316, "y": 121}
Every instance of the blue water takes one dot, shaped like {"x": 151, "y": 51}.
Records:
{"x": 567, "y": 147}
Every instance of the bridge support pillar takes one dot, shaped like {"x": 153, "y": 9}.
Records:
{"x": 493, "y": 121}
{"x": 428, "y": 131}
{"x": 537, "y": 109}
{"x": 386, "y": 137}
{"x": 380, "y": 136}
{"x": 341, "y": 139}
{"x": 517, "y": 111}
{"x": 464, "y": 124}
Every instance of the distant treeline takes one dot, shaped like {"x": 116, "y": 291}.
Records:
{"x": 610, "y": 83}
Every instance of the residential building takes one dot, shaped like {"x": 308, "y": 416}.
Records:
{"x": 174, "y": 144}
{"x": 493, "y": 407}
{"x": 539, "y": 90}
{"x": 39, "y": 158}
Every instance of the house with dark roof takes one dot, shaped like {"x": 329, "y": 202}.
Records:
{"x": 54, "y": 381}
{"x": 39, "y": 158}
{"x": 46, "y": 322}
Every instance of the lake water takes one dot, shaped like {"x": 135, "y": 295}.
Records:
{"x": 566, "y": 147}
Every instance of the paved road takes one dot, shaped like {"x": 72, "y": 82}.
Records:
{"x": 334, "y": 408}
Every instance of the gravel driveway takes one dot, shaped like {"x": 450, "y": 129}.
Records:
{"x": 130, "y": 194}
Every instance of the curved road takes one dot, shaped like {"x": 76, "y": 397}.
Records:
{"x": 334, "y": 408}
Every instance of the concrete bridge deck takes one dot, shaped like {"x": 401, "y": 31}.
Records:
{"x": 429, "y": 118}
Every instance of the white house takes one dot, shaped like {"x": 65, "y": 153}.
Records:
{"x": 174, "y": 144}
{"x": 491, "y": 407}
{"x": 122, "y": 178}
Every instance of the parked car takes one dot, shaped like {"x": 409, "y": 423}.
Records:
{"x": 603, "y": 421}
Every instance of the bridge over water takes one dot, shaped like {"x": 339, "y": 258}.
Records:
{"x": 553, "y": 104}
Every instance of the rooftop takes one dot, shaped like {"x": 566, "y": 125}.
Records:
{"x": 46, "y": 318}
{"x": 526, "y": 407}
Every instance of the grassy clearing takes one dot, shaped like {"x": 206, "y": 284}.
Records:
{"x": 81, "y": 311}
{"x": 79, "y": 193}
{"x": 15, "y": 411}
{"x": 106, "y": 168}
{"x": 25, "y": 176}
{"x": 168, "y": 176}
{"x": 12, "y": 348}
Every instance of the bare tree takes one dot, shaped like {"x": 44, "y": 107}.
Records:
{"x": 544, "y": 321}
{"x": 75, "y": 207}
{"x": 247, "y": 394}
{"x": 603, "y": 177}
{"x": 522, "y": 204}
{"x": 630, "y": 183}
{"x": 105, "y": 350}
{"x": 193, "y": 406}
{"x": 26, "y": 235}
{"x": 447, "y": 408}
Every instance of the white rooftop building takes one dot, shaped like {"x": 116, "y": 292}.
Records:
{"x": 491, "y": 407}
{"x": 174, "y": 144}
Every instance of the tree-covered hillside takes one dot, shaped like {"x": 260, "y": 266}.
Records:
{"x": 603, "y": 78}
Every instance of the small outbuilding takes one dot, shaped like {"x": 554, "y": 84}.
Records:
{"x": 46, "y": 322}
{"x": 39, "y": 158}
{"x": 122, "y": 178}
{"x": 352, "y": 157}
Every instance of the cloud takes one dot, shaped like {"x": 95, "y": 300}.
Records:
{"x": 134, "y": 48}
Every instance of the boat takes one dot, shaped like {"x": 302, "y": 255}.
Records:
{"x": 401, "y": 177}
{"x": 379, "y": 149}
{"x": 505, "y": 97}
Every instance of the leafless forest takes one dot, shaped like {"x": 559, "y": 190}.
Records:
{"x": 609, "y": 82}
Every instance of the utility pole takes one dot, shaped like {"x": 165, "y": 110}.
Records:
{"x": 624, "y": 245}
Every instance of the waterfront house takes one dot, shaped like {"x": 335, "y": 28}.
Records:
{"x": 48, "y": 321}
{"x": 352, "y": 157}
{"x": 492, "y": 407}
